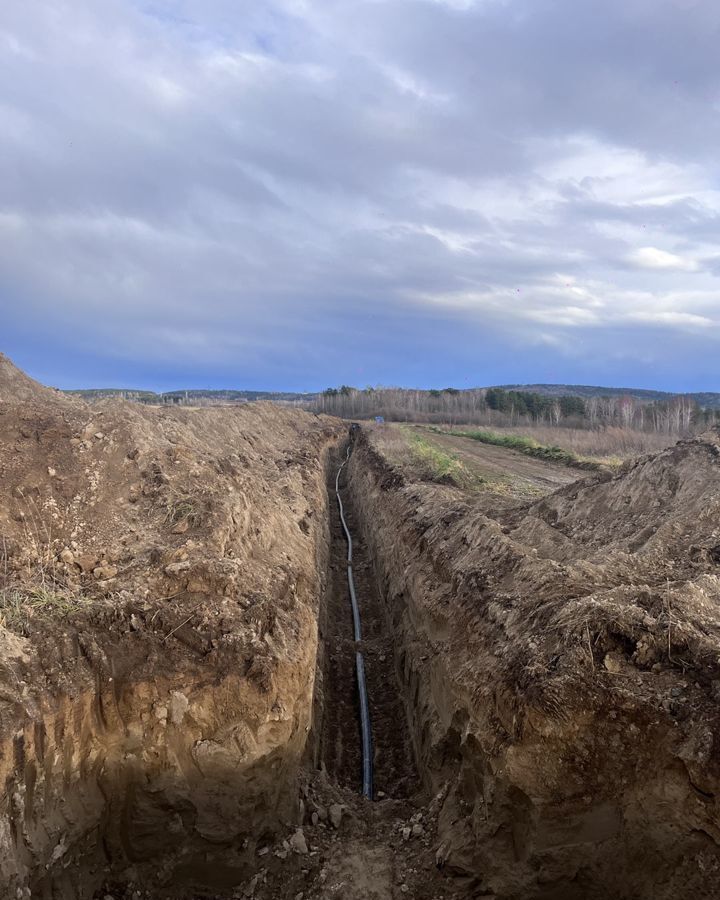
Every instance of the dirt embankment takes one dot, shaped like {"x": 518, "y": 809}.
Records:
{"x": 160, "y": 578}
{"x": 562, "y": 665}
{"x": 17, "y": 387}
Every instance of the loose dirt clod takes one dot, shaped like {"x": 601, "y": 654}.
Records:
{"x": 335, "y": 813}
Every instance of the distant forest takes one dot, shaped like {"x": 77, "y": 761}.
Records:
{"x": 571, "y": 406}
{"x": 704, "y": 399}
{"x": 507, "y": 407}
{"x": 196, "y": 397}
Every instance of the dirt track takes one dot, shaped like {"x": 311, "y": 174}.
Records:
{"x": 534, "y": 476}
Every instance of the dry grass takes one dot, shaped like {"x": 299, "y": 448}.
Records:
{"x": 392, "y": 442}
{"x": 20, "y": 606}
{"x": 38, "y": 538}
{"x": 416, "y": 453}
{"x": 43, "y": 597}
{"x": 604, "y": 444}
{"x": 182, "y": 507}
{"x": 437, "y": 464}
{"x": 411, "y": 451}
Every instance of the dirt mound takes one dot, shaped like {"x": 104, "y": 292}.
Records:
{"x": 160, "y": 573}
{"x": 656, "y": 503}
{"x": 17, "y": 387}
{"x": 565, "y": 664}
{"x": 633, "y": 552}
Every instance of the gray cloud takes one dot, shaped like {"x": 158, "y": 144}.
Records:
{"x": 231, "y": 182}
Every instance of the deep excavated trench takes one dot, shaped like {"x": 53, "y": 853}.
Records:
{"x": 176, "y": 796}
{"x": 341, "y": 739}
{"x": 185, "y": 784}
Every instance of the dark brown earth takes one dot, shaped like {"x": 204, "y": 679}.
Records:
{"x": 394, "y": 768}
{"x": 340, "y": 728}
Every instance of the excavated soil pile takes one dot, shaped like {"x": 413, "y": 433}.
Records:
{"x": 562, "y": 665}
{"x": 160, "y": 575}
{"x": 17, "y": 387}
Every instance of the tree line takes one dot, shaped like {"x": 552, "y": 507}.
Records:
{"x": 501, "y": 407}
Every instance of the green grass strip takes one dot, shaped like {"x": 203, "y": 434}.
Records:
{"x": 528, "y": 446}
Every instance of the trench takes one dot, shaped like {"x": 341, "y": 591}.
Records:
{"x": 394, "y": 769}
{"x": 134, "y": 782}
{"x": 488, "y": 827}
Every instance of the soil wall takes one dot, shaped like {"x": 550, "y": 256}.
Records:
{"x": 161, "y": 579}
{"x": 182, "y": 770}
{"x": 572, "y": 765}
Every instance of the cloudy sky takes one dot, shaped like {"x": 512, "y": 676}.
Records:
{"x": 299, "y": 193}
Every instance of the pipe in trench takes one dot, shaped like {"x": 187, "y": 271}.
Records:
{"x": 366, "y": 732}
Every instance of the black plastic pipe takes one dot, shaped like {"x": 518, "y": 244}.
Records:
{"x": 365, "y": 729}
